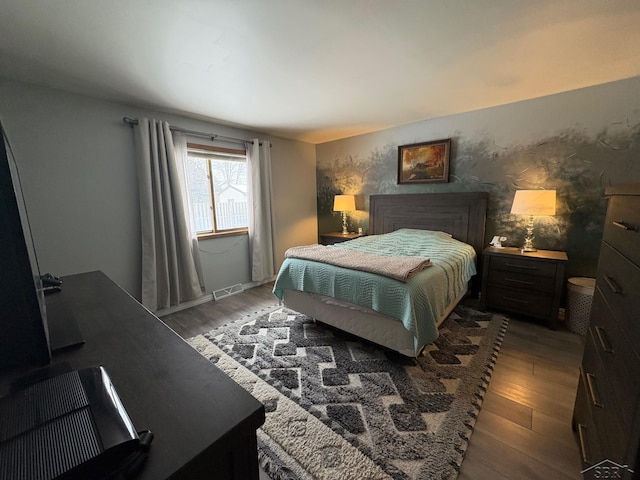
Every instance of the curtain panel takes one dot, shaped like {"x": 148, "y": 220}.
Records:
{"x": 260, "y": 191}
{"x": 169, "y": 272}
{"x": 180, "y": 143}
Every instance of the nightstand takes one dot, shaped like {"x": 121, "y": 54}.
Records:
{"x": 338, "y": 237}
{"x": 526, "y": 283}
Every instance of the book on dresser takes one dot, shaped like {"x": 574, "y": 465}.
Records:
{"x": 606, "y": 415}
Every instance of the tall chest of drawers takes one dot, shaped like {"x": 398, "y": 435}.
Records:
{"x": 607, "y": 410}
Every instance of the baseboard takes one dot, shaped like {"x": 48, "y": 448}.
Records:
{"x": 228, "y": 291}
{"x": 204, "y": 299}
{"x": 185, "y": 305}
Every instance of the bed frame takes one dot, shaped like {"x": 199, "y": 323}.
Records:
{"x": 462, "y": 215}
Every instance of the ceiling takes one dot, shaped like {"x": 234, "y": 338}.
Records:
{"x": 319, "y": 70}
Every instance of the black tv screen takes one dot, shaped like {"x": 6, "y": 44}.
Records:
{"x": 24, "y": 336}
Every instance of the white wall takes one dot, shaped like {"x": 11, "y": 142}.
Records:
{"x": 76, "y": 160}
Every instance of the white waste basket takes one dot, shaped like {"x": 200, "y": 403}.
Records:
{"x": 579, "y": 299}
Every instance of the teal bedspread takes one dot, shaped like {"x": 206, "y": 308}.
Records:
{"x": 418, "y": 303}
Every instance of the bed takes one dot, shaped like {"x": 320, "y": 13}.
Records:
{"x": 441, "y": 217}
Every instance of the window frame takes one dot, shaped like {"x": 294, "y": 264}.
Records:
{"x": 223, "y": 150}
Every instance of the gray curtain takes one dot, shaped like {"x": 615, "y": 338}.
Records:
{"x": 261, "y": 235}
{"x": 180, "y": 143}
{"x": 169, "y": 274}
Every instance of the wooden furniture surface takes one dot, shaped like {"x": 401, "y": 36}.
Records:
{"x": 525, "y": 283}
{"x": 204, "y": 423}
{"x": 607, "y": 408}
{"x": 337, "y": 237}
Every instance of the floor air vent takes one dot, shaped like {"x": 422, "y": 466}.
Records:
{"x": 225, "y": 292}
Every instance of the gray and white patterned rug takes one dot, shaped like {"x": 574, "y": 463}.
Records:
{"x": 340, "y": 408}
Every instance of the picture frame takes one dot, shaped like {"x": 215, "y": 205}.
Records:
{"x": 425, "y": 162}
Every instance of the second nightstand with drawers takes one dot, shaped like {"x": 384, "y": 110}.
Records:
{"x": 526, "y": 283}
{"x": 338, "y": 237}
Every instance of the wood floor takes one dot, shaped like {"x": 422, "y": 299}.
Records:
{"x": 524, "y": 427}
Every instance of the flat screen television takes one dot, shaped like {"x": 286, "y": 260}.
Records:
{"x": 24, "y": 335}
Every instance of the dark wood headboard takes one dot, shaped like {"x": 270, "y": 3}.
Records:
{"x": 462, "y": 215}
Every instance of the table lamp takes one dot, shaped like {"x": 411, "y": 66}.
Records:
{"x": 533, "y": 203}
{"x": 344, "y": 204}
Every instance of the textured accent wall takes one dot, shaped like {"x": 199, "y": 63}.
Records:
{"x": 564, "y": 142}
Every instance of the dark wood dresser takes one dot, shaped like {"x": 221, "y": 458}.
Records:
{"x": 204, "y": 423}
{"x": 526, "y": 283}
{"x": 607, "y": 409}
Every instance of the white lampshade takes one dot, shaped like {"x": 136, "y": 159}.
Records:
{"x": 344, "y": 203}
{"x": 534, "y": 202}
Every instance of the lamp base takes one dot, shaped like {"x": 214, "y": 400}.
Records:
{"x": 528, "y": 238}
{"x": 345, "y": 229}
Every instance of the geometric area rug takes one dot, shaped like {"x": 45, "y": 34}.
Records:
{"x": 341, "y": 408}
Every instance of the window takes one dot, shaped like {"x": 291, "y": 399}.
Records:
{"x": 217, "y": 179}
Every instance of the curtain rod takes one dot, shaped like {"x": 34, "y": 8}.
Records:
{"x": 210, "y": 136}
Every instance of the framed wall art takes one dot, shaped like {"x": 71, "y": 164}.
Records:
{"x": 426, "y": 162}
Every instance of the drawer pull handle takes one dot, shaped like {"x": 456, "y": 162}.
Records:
{"x": 518, "y": 265}
{"x": 613, "y": 285}
{"x": 625, "y": 226}
{"x": 516, "y": 300}
{"x": 604, "y": 339}
{"x": 583, "y": 443}
{"x": 592, "y": 390}
{"x": 515, "y": 280}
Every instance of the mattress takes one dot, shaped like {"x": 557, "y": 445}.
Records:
{"x": 360, "y": 321}
{"x": 418, "y": 303}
